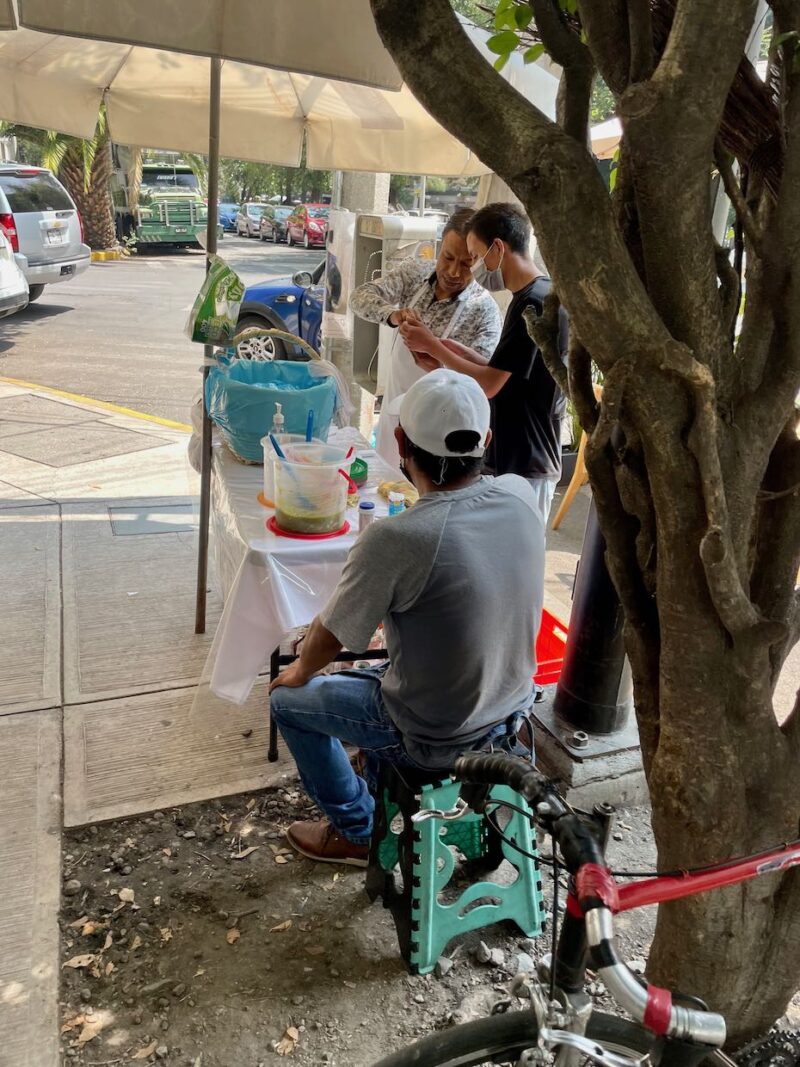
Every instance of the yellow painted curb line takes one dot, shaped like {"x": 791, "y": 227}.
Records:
{"x": 101, "y": 257}
{"x": 103, "y": 405}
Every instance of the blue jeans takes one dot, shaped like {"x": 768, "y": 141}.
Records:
{"x": 316, "y": 718}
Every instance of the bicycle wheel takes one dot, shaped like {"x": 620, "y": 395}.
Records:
{"x": 502, "y": 1039}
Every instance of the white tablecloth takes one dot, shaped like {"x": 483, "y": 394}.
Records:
{"x": 270, "y": 584}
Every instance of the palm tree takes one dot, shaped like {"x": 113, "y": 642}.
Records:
{"x": 85, "y": 168}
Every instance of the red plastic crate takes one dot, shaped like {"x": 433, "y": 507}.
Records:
{"x": 550, "y": 644}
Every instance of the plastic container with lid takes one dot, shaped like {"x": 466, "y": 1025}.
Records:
{"x": 310, "y": 489}
{"x": 397, "y": 503}
{"x": 366, "y": 513}
{"x": 283, "y": 439}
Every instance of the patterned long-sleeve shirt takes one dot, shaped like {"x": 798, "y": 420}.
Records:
{"x": 478, "y": 325}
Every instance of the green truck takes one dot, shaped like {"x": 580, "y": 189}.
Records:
{"x": 167, "y": 209}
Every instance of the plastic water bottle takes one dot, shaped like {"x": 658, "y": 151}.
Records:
{"x": 278, "y": 420}
{"x": 366, "y": 513}
{"x": 397, "y": 503}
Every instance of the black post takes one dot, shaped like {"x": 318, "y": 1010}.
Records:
{"x": 211, "y": 248}
{"x": 594, "y": 692}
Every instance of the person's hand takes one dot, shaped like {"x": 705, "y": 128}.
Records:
{"x": 293, "y": 677}
{"x": 425, "y": 362}
{"x": 397, "y": 318}
{"x": 418, "y": 338}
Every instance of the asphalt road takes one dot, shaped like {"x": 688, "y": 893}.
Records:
{"x": 116, "y": 332}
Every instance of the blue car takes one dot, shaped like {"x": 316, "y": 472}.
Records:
{"x": 291, "y": 304}
{"x": 227, "y": 217}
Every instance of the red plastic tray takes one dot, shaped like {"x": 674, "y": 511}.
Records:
{"x": 273, "y": 527}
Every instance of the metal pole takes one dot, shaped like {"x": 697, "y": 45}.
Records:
{"x": 211, "y": 248}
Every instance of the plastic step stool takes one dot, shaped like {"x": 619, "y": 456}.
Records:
{"x": 426, "y": 918}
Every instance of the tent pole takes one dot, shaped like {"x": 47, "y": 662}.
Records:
{"x": 211, "y": 248}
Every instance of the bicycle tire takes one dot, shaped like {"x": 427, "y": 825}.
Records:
{"x": 503, "y": 1038}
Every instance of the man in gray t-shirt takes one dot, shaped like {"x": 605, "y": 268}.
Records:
{"x": 457, "y": 582}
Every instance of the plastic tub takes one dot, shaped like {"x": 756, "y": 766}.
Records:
{"x": 310, "y": 491}
{"x": 284, "y": 439}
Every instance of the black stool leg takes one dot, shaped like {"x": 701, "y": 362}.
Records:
{"x": 274, "y": 671}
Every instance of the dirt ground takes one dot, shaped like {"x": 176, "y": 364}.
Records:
{"x": 193, "y": 937}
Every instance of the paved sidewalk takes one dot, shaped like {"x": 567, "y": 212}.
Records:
{"x": 99, "y": 661}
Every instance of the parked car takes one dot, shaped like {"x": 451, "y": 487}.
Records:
{"x": 248, "y": 220}
{"x": 42, "y": 225}
{"x": 291, "y": 304}
{"x": 13, "y": 287}
{"x": 308, "y": 224}
{"x": 273, "y": 222}
{"x": 227, "y": 217}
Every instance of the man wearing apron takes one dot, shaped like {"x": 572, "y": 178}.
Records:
{"x": 448, "y": 301}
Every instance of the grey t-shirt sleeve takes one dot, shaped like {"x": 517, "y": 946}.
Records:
{"x": 383, "y": 573}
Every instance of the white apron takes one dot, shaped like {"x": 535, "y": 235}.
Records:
{"x": 403, "y": 372}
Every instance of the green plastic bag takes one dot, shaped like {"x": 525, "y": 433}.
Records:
{"x": 212, "y": 320}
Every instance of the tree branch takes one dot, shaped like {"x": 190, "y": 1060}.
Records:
{"x": 606, "y": 29}
{"x": 544, "y": 330}
{"x": 567, "y": 49}
{"x": 553, "y": 175}
{"x": 732, "y": 603}
{"x": 640, "y": 30}
{"x": 729, "y": 289}
{"x": 581, "y": 387}
{"x": 736, "y": 197}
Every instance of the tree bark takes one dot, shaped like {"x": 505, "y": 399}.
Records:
{"x": 93, "y": 199}
{"x": 693, "y": 456}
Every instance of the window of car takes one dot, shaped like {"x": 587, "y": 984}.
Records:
{"x": 318, "y": 212}
{"x": 255, "y": 211}
{"x": 282, "y": 213}
{"x": 34, "y": 191}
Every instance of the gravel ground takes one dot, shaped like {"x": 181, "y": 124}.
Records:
{"x": 195, "y": 937}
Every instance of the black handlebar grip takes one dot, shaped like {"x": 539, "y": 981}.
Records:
{"x": 498, "y": 769}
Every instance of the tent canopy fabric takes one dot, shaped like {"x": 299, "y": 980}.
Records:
{"x": 160, "y": 99}
{"x": 605, "y": 138}
{"x": 280, "y": 34}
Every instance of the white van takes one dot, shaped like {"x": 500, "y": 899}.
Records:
{"x": 13, "y": 287}
{"x": 42, "y": 225}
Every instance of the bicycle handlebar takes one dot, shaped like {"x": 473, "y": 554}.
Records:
{"x": 596, "y": 893}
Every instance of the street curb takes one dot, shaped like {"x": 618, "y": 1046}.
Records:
{"x": 102, "y": 405}
{"x": 103, "y": 257}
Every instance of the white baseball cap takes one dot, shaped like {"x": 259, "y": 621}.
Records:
{"x": 439, "y": 404}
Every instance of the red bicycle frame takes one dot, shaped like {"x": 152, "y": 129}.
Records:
{"x": 674, "y": 887}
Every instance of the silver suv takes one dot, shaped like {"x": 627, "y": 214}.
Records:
{"x": 43, "y": 226}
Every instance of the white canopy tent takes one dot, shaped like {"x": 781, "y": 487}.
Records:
{"x": 162, "y": 99}
{"x": 257, "y": 97}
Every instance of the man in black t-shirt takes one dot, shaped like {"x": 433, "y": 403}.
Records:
{"x": 527, "y": 404}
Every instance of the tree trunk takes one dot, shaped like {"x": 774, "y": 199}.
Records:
{"x": 693, "y": 453}
{"x": 93, "y": 202}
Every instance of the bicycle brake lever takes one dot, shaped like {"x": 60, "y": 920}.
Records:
{"x": 548, "y": 1038}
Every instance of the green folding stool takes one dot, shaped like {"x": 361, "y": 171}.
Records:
{"x": 428, "y": 911}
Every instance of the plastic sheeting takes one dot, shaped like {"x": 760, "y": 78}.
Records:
{"x": 270, "y": 584}
{"x": 241, "y": 398}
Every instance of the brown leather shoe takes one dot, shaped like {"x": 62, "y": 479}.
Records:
{"x": 319, "y": 841}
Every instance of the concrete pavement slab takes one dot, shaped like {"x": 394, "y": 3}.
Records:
{"x": 30, "y": 622}
{"x": 70, "y": 445}
{"x": 129, "y": 606}
{"x": 30, "y": 820}
{"x": 122, "y": 757}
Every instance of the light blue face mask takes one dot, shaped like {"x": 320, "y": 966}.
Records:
{"x": 491, "y": 280}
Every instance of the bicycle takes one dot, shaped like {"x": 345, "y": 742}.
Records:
{"x": 561, "y": 1027}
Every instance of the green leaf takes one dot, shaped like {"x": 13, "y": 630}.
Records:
{"x": 503, "y": 43}
{"x": 523, "y": 16}
{"x": 501, "y": 61}
{"x": 532, "y": 54}
{"x": 505, "y": 5}
{"x": 792, "y": 35}
{"x": 569, "y": 6}
{"x": 506, "y": 20}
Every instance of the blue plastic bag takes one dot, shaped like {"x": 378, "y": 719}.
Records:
{"x": 241, "y": 396}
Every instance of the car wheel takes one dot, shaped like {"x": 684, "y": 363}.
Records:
{"x": 257, "y": 347}
{"x": 34, "y": 292}
{"x": 306, "y": 242}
